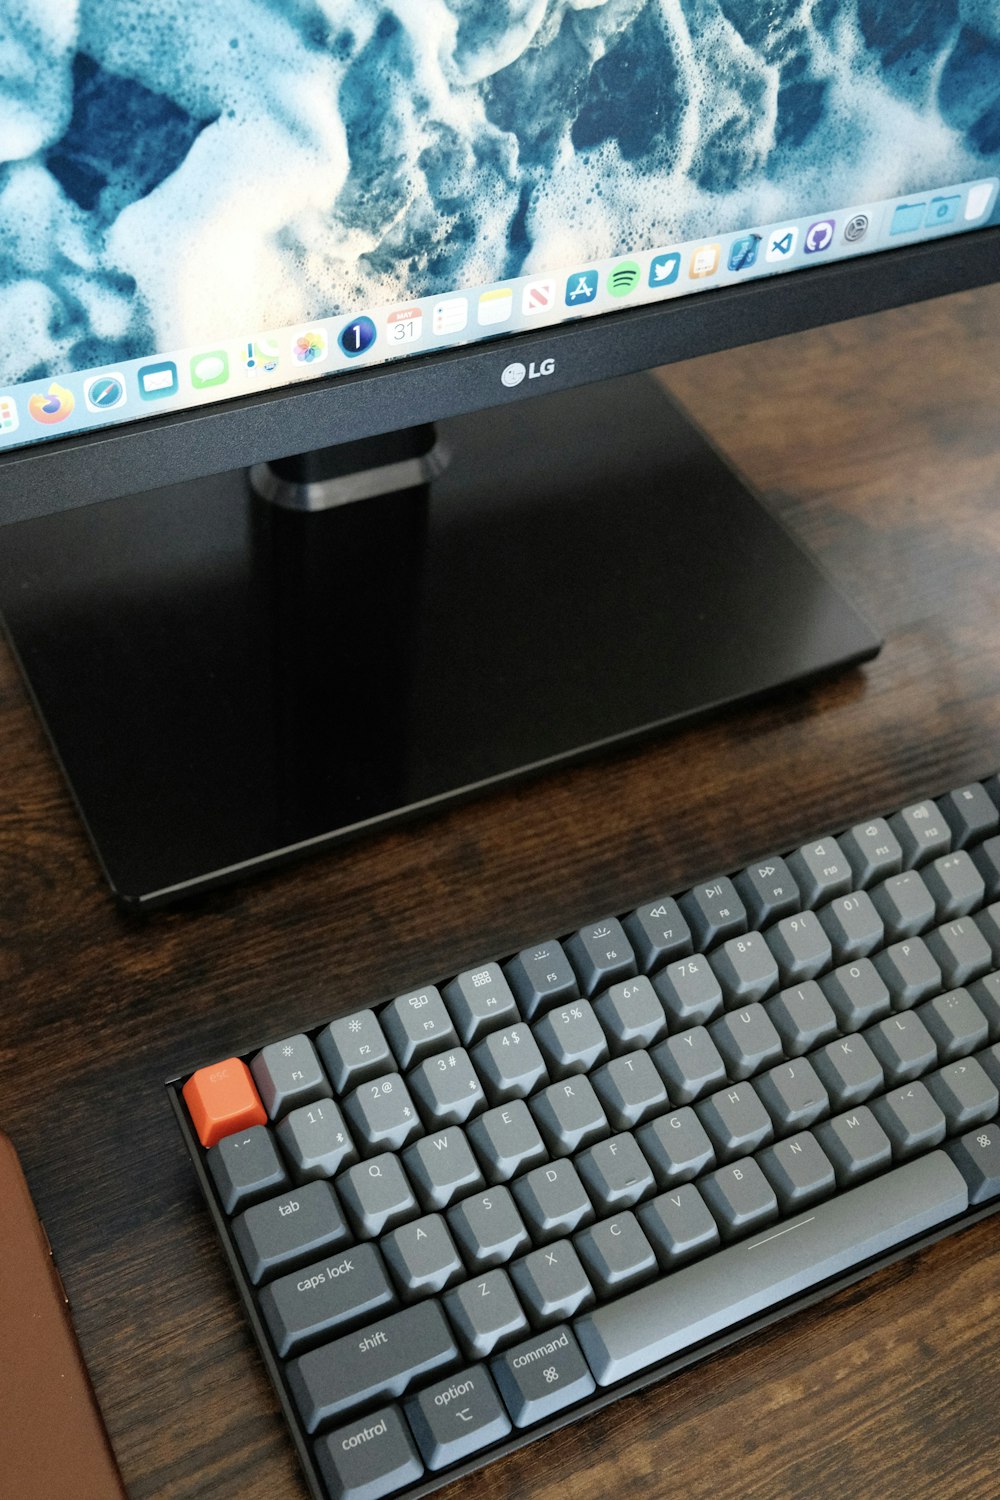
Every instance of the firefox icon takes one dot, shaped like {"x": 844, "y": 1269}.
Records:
{"x": 54, "y": 405}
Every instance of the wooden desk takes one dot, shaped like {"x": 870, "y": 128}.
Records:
{"x": 879, "y": 442}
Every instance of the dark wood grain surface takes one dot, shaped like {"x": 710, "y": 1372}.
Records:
{"x": 879, "y": 443}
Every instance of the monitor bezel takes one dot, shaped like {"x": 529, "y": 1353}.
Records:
{"x": 184, "y": 445}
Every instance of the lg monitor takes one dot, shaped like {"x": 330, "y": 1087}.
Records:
{"x": 335, "y": 488}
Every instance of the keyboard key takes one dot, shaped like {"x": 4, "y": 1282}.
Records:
{"x": 803, "y": 1018}
{"x": 441, "y": 1167}
{"x": 541, "y": 1376}
{"x": 552, "y": 1284}
{"x": 792, "y": 1095}
{"x": 331, "y": 1295}
{"x": 369, "y": 1457}
{"x": 988, "y": 922}
{"x": 630, "y": 1090}
{"x": 678, "y": 1225}
{"x": 704, "y": 1299}
{"x": 853, "y": 926}
{"x": 956, "y": 1023}
{"x": 849, "y": 1071}
{"x": 909, "y": 971}
{"x": 970, "y": 813}
{"x": 485, "y": 1313}
{"x": 615, "y": 1173}
{"x": 747, "y": 1041}
{"x": 857, "y": 993}
{"x": 246, "y": 1167}
{"x": 986, "y": 993}
{"x": 422, "y": 1257}
{"x": 922, "y": 832}
{"x": 616, "y": 1254}
{"x": 856, "y": 1145}
{"x": 961, "y": 950}
{"x": 740, "y": 1197}
{"x": 904, "y": 1047}
{"x": 353, "y": 1050}
{"x": 569, "y": 1116}
{"x": 376, "y": 1195}
{"x": 481, "y": 1001}
{"x": 447, "y": 1088}
{"x": 955, "y": 884}
{"x": 288, "y": 1073}
{"x": 571, "y": 1039}
{"x": 746, "y": 968}
{"x": 289, "y": 1230}
{"x": 631, "y": 1015}
{"x": 714, "y": 912}
{"x": 966, "y": 1094}
{"x": 416, "y": 1025}
{"x": 798, "y": 1170}
{"x": 383, "y": 1358}
{"x": 382, "y": 1115}
{"x": 768, "y": 891}
{"x": 821, "y": 871}
{"x": 676, "y": 1146}
{"x": 735, "y": 1120}
{"x": 553, "y": 1201}
{"x": 222, "y": 1099}
{"x": 540, "y": 977}
{"x": 690, "y": 1063}
{"x": 977, "y": 1157}
{"x": 801, "y": 947}
{"x": 911, "y": 1119}
{"x": 905, "y": 905}
{"x": 457, "y": 1417}
{"x": 986, "y": 858}
{"x": 509, "y": 1063}
{"x": 658, "y": 933}
{"x": 872, "y": 851}
{"x": 690, "y": 991}
{"x": 316, "y": 1140}
{"x": 488, "y": 1228}
{"x": 600, "y": 954}
{"x": 506, "y": 1140}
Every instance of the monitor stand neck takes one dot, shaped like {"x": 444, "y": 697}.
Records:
{"x": 346, "y": 472}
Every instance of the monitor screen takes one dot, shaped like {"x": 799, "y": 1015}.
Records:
{"x": 202, "y": 202}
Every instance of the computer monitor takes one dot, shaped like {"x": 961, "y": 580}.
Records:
{"x": 252, "y": 252}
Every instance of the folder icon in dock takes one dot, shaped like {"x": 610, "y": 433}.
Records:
{"x": 907, "y": 217}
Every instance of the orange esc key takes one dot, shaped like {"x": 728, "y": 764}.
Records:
{"x": 222, "y": 1099}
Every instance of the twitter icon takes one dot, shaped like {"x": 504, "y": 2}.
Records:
{"x": 664, "y": 269}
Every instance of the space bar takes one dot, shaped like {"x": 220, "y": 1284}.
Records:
{"x": 783, "y": 1261}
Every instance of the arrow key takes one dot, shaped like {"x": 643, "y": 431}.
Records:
{"x": 456, "y": 1417}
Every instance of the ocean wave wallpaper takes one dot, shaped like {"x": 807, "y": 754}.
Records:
{"x": 173, "y": 171}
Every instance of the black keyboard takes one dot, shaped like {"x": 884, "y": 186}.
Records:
{"x": 467, "y": 1216}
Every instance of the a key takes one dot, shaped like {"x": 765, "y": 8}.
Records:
{"x": 740, "y": 1197}
{"x": 422, "y": 1257}
{"x": 856, "y": 1145}
{"x": 986, "y": 858}
{"x": 702, "y": 1300}
{"x": 506, "y": 1140}
{"x": 288, "y": 1073}
{"x": 488, "y": 1228}
{"x": 383, "y": 1358}
{"x": 922, "y": 832}
{"x": 905, "y": 905}
{"x": 986, "y": 993}
{"x": 956, "y": 1023}
{"x": 955, "y": 884}
{"x": 658, "y": 933}
{"x": 246, "y": 1167}
{"x": 615, "y": 1173}
{"x": 552, "y": 1284}
{"x": 911, "y": 1119}
{"x": 970, "y": 813}
{"x": 821, "y": 871}
{"x": 631, "y": 1015}
{"x": 690, "y": 1064}
{"x": 988, "y": 922}
{"x": 485, "y": 1313}
{"x": 801, "y": 947}
{"x": 456, "y": 1417}
{"x": 569, "y": 1116}
{"x": 965, "y": 1092}
{"x": 803, "y": 1018}
{"x": 376, "y": 1195}
{"x": 714, "y": 912}
{"x": 690, "y": 991}
{"x": 222, "y": 1099}
{"x": 904, "y": 1047}
{"x": 331, "y": 1295}
{"x": 872, "y": 851}
{"x": 769, "y": 891}
{"x": 441, "y": 1167}
{"x": 601, "y": 954}
{"x": 735, "y": 1120}
{"x": 747, "y": 1040}
{"x": 909, "y": 971}
{"x": 616, "y": 1254}
{"x": 382, "y": 1115}
{"x": 316, "y": 1140}
{"x": 353, "y": 1050}
{"x": 541, "y": 977}
{"x": 418, "y": 1024}
{"x": 289, "y": 1230}
{"x": 553, "y": 1201}
{"x": 571, "y": 1039}
{"x": 630, "y": 1090}
{"x": 678, "y": 1225}
{"x": 447, "y": 1088}
{"x": 798, "y": 1171}
{"x": 792, "y": 1095}
{"x": 989, "y": 1061}
{"x": 509, "y": 1063}
{"x": 369, "y": 1457}
{"x": 857, "y": 993}
{"x": 746, "y": 968}
{"x": 541, "y": 1376}
{"x": 853, "y": 926}
{"x": 676, "y": 1146}
{"x": 849, "y": 1071}
{"x": 961, "y": 950}
{"x": 481, "y": 1001}
{"x": 977, "y": 1157}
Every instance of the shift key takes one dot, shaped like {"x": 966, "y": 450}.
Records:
{"x": 382, "y": 1359}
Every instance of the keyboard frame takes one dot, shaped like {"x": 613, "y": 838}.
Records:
{"x": 602, "y": 1396}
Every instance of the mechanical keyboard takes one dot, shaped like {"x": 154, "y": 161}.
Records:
{"x": 489, "y": 1205}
